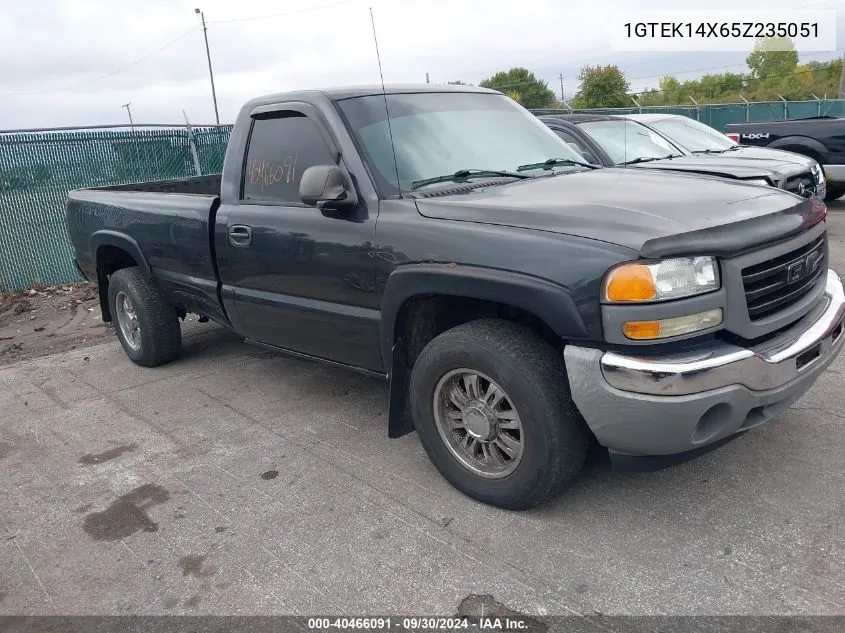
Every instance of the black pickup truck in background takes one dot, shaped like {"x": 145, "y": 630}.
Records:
{"x": 820, "y": 138}
{"x": 618, "y": 140}
{"x": 521, "y": 302}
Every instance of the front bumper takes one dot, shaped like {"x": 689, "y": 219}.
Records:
{"x": 682, "y": 402}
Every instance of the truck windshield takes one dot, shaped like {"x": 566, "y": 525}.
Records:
{"x": 693, "y": 136}
{"x": 628, "y": 141}
{"x": 443, "y": 133}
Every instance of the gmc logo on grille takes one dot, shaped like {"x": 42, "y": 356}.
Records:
{"x": 804, "y": 267}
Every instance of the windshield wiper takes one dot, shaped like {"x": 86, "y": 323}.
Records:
{"x": 551, "y": 162}
{"x": 709, "y": 151}
{"x": 645, "y": 159}
{"x": 463, "y": 175}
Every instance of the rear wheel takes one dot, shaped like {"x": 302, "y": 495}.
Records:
{"x": 834, "y": 193}
{"x": 490, "y": 402}
{"x": 147, "y": 325}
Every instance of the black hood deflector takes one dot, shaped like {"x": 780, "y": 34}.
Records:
{"x": 733, "y": 239}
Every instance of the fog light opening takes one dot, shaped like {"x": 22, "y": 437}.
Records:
{"x": 711, "y": 423}
{"x": 756, "y": 416}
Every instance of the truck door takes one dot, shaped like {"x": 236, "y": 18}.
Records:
{"x": 294, "y": 276}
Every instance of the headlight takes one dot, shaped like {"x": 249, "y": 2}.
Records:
{"x": 660, "y": 281}
{"x": 758, "y": 181}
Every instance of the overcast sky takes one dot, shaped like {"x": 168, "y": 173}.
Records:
{"x": 74, "y": 62}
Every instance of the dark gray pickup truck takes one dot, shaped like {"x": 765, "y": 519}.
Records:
{"x": 521, "y": 302}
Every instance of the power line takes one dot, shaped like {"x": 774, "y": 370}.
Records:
{"x": 698, "y": 70}
{"x": 277, "y": 15}
{"x": 167, "y": 45}
{"x": 109, "y": 74}
{"x": 529, "y": 82}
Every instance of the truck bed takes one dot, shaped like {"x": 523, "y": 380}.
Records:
{"x": 205, "y": 185}
{"x": 172, "y": 225}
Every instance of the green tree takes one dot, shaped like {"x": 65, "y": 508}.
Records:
{"x": 516, "y": 95}
{"x": 533, "y": 92}
{"x": 772, "y": 58}
{"x": 602, "y": 87}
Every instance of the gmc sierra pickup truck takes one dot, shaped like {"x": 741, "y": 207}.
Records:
{"x": 616, "y": 140}
{"x": 820, "y": 138}
{"x": 521, "y": 303}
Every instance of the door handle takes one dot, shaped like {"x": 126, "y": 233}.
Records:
{"x": 240, "y": 235}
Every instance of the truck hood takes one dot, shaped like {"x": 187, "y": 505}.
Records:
{"x": 729, "y": 165}
{"x": 746, "y": 152}
{"x": 644, "y": 210}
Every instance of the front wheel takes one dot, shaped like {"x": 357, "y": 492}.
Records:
{"x": 490, "y": 402}
{"x": 147, "y": 325}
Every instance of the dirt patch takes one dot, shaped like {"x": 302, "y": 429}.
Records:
{"x": 194, "y": 565}
{"x": 126, "y": 515}
{"x": 48, "y": 320}
{"x": 113, "y": 453}
{"x": 487, "y": 609}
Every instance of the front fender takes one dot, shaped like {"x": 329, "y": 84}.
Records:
{"x": 550, "y": 302}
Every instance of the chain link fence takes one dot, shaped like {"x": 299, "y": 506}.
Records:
{"x": 38, "y": 169}
{"x": 718, "y": 115}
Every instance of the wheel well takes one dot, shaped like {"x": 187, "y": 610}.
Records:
{"x": 110, "y": 259}
{"x": 800, "y": 149}
{"x": 423, "y": 317}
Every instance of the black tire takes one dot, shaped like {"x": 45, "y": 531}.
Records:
{"x": 534, "y": 377}
{"x": 834, "y": 193}
{"x": 158, "y": 324}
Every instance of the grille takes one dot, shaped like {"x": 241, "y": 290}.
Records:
{"x": 794, "y": 182}
{"x": 777, "y": 283}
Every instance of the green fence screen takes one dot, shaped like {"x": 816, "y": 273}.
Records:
{"x": 718, "y": 115}
{"x": 37, "y": 170}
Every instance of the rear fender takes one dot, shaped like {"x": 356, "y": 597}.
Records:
{"x": 124, "y": 243}
{"x": 800, "y": 145}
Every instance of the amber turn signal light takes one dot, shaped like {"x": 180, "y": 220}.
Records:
{"x": 633, "y": 282}
{"x": 664, "y": 328}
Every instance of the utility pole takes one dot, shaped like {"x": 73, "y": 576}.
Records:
{"x": 426, "y": 78}
{"x": 210, "y": 72}
{"x": 129, "y": 112}
{"x": 562, "y": 100}
{"x": 842, "y": 80}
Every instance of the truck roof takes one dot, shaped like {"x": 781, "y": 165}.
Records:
{"x": 349, "y": 92}
{"x": 581, "y": 118}
{"x": 654, "y": 116}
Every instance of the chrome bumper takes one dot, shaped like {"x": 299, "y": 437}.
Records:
{"x": 806, "y": 344}
{"x": 834, "y": 173}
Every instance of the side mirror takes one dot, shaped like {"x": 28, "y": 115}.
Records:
{"x": 581, "y": 152}
{"x": 326, "y": 187}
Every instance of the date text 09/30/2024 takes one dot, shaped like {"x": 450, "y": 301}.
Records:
{"x": 418, "y": 623}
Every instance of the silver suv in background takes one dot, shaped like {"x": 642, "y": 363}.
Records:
{"x": 699, "y": 138}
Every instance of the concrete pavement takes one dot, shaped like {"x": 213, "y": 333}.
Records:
{"x": 236, "y": 481}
